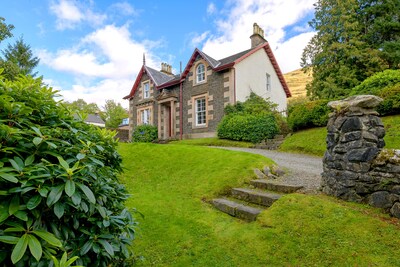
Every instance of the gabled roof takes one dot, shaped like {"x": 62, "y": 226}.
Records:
{"x": 158, "y": 77}
{"x": 163, "y": 80}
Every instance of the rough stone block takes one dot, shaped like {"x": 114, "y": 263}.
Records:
{"x": 351, "y": 124}
{"x": 260, "y": 174}
{"x": 380, "y": 199}
{"x": 362, "y": 154}
{"x": 351, "y": 136}
{"x": 395, "y": 210}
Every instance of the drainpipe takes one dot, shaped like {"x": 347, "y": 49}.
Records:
{"x": 234, "y": 85}
{"x": 180, "y": 105}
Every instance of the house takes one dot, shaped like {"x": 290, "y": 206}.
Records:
{"x": 93, "y": 119}
{"x": 191, "y": 104}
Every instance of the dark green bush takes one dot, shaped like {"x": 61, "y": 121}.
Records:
{"x": 391, "y": 100}
{"x": 255, "y": 110}
{"x": 145, "y": 133}
{"x": 59, "y": 190}
{"x": 308, "y": 114}
{"x": 248, "y": 127}
{"x": 377, "y": 82}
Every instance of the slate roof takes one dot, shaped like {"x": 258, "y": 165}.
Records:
{"x": 93, "y": 118}
{"x": 158, "y": 77}
{"x": 232, "y": 58}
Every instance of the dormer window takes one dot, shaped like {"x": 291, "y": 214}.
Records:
{"x": 200, "y": 73}
{"x": 146, "y": 90}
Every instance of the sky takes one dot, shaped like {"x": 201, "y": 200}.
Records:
{"x": 93, "y": 50}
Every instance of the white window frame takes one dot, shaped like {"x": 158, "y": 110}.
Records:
{"x": 145, "y": 116}
{"x": 268, "y": 82}
{"x": 201, "y": 110}
{"x": 146, "y": 90}
{"x": 200, "y": 73}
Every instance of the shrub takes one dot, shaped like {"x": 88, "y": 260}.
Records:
{"x": 255, "y": 110}
{"x": 248, "y": 127}
{"x": 308, "y": 114}
{"x": 59, "y": 187}
{"x": 377, "y": 82}
{"x": 391, "y": 100}
{"x": 145, "y": 133}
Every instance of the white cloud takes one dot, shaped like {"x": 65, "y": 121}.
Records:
{"x": 125, "y": 8}
{"x": 106, "y": 63}
{"x": 288, "y": 56}
{"x": 272, "y": 16}
{"x": 108, "y": 52}
{"x": 197, "y": 39}
{"x": 211, "y": 9}
{"x": 70, "y": 14}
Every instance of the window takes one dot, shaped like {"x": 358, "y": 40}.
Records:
{"x": 200, "y": 73}
{"x": 268, "y": 77}
{"x": 145, "y": 116}
{"x": 146, "y": 90}
{"x": 201, "y": 111}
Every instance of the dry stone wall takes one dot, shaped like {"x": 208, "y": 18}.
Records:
{"x": 356, "y": 167}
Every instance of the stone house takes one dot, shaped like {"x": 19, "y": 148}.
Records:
{"x": 191, "y": 104}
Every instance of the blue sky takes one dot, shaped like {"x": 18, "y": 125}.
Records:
{"x": 93, "y": 49}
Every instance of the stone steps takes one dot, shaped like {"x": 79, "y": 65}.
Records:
{"x": 274, "y": 186}
{"x": 261, "y": 198}
{"x": 235, "y": 209}
{"x": 247, "y": 203}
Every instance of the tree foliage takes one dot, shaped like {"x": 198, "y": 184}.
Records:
{"x": 80, "y": 106}
{"x": 113, "y": 114}
{"x": 18, "y": 59}
{"x": 5, "y": 30}
{"x": 59, "y": 190}
{"x": 354, "y": 39}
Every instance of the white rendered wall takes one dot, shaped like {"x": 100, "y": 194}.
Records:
{"x": 250, "y": 75}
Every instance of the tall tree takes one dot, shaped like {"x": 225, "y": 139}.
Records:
{"x": 82, "y": 107}
{"x": 18, "y": 59}
{"x": 350, "y": 45}
{"x": 5, "y": 29}
{"x": 113, "y": 114}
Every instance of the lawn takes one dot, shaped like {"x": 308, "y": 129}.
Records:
{"x": 170, "y": 186}
{"x": 312, "y": 141}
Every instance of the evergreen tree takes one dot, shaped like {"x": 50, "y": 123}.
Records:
{"x": 354, "y": 39}
{"x": 18, "y": 59}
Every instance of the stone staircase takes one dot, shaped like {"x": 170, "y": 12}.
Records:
{"x": 271, "y": 144}
{"x": 247, "y": 203}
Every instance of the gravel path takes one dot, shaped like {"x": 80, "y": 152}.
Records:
{"x": 301, "y": 169}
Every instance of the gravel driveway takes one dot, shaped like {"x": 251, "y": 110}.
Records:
{"x": 301, "y": 169}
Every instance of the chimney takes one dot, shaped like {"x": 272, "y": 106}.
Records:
{"x": 258, "y": 36}
{"x": 166, "y": 68}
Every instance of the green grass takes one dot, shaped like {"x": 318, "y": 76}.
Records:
{"x": 312, "y": 141}
{"x": 214, "y": 141}
{"x": 171, "y": 183}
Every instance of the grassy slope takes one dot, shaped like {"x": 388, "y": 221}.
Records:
{"x": 170, "y": 182}
{"x": 312, "y": 141}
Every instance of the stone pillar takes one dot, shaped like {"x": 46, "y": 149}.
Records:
{"x": 355, "y": 138}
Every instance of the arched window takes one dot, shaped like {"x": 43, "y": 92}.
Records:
{"x": 200, "y": 73}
